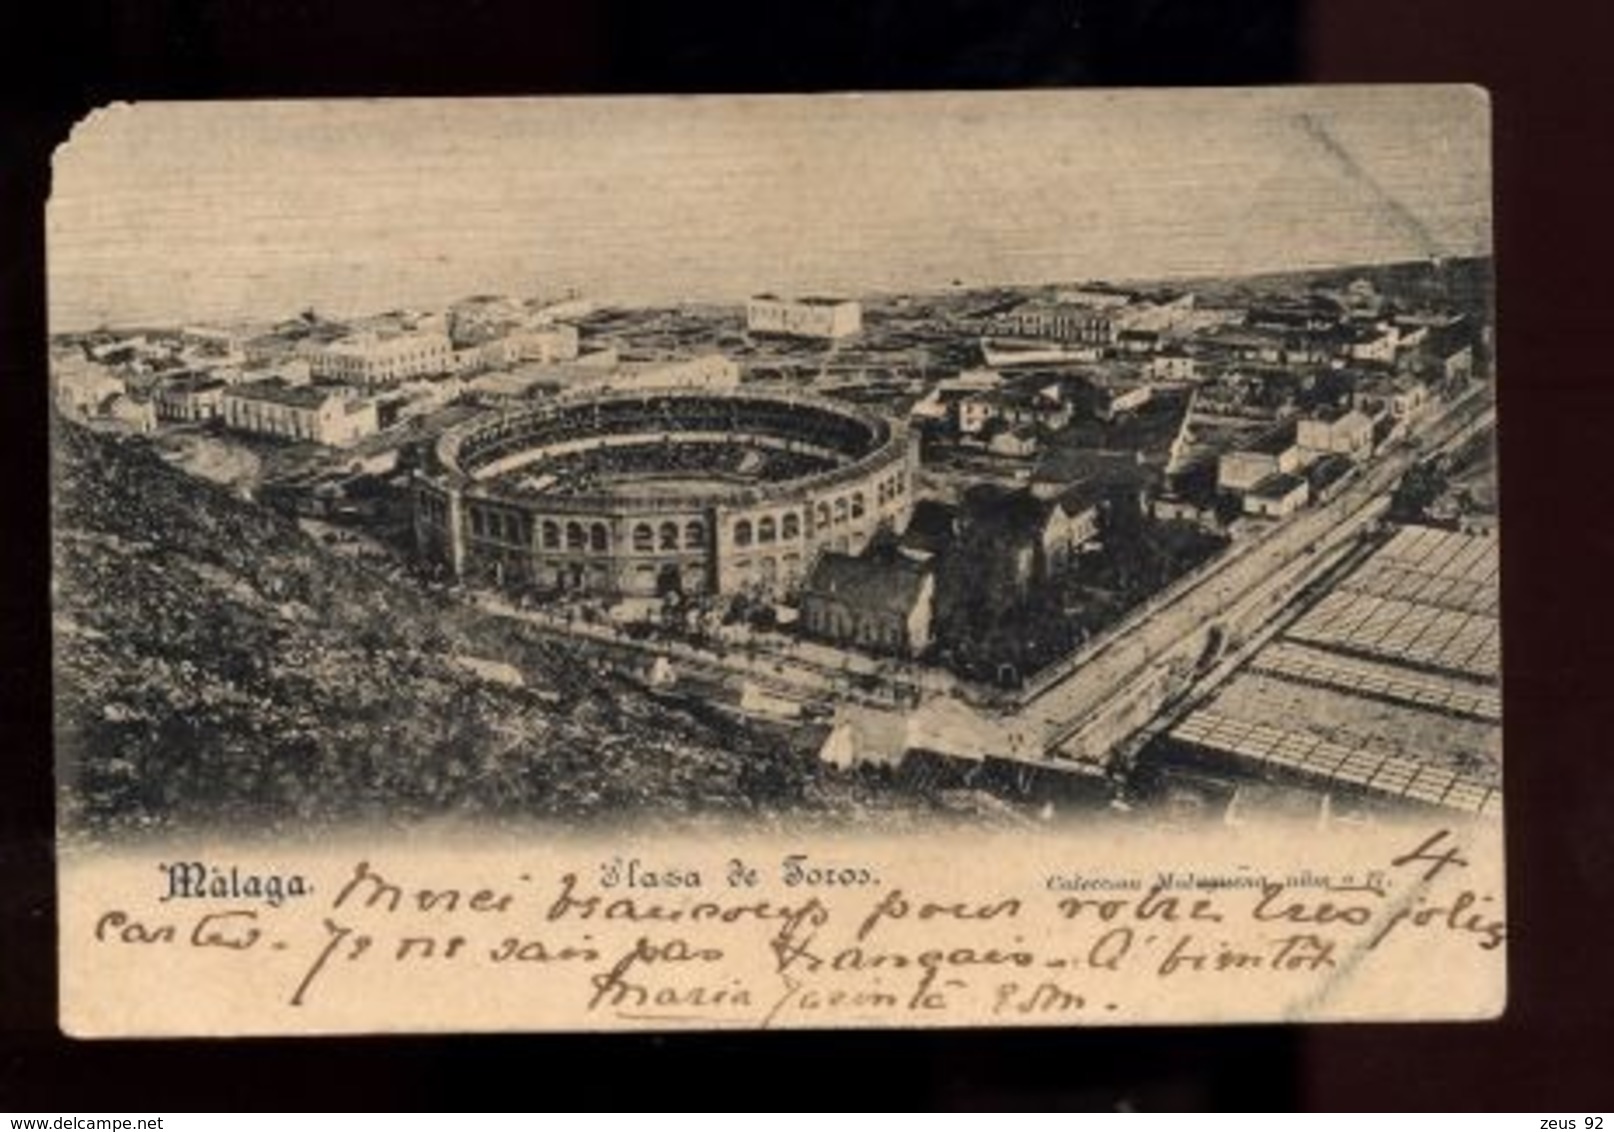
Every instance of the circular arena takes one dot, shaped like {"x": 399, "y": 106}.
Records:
{"x": 642, "y": 493}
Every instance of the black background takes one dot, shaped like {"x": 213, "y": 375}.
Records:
{"x": 1548, "y": 69}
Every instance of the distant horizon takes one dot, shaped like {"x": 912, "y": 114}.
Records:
{"x": 1122, "y": 282}
{"x": 169, "y": 213}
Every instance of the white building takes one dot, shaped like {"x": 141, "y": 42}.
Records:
{"x": 1374, "y": 344}
{"x": 558, "y": 343}
{"x": 321, "y": 415}
{"x": 1243, "y": 469}
{"x": 1118, "y": 399}
{"x": 812, "y": 316}
{"x": 974, "y": 413}
{"x": 1402, "y": 397}
{"x": 1099, "y": 296}
{"x": 1059, "y": 322}
{"x": 80, "y": 387}
{"x": 1346, "y": 434}
{"x": 368, "y": 360}
{"x": 134, "y": 412}
{"x": 1172, "y": 365}
{"x": 711, "y": 372}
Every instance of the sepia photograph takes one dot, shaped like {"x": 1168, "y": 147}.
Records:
{"x": 1001, "y": 558}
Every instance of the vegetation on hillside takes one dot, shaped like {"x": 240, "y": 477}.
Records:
{"x": 217, "y": 667}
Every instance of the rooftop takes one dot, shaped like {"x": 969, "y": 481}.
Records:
{"x": 1062, "y": 307}
{"x": 804, "y": 300}
{"x": 195, "y": 383}
{"x": 1327, "y": 469}
{"x": 278, "y": 393}
{"x": 930, "y": 528}
{"x": 369, "y": 346}
{"x": 1279, "y": 440}
{"x": 1006, "y": 513}
{"x": 1277, "y": 486}
{"x": 889, "y": 585}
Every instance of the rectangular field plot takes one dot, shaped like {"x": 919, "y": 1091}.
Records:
{"x": 1266, "y": 749}
{"x": 1387, "y": 686}
{"x": 1403, "y": 632}
{"x": 1321, "y": 714}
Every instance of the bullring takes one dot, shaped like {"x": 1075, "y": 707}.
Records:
{"x": 642, "y": 492}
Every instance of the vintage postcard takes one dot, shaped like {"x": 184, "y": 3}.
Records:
{"x": 938, "y": 559}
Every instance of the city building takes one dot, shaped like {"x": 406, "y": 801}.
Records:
{"x": 1327, "y": 476}
{"x": 941, "y": 402}
{"x": 1275, "y": 453}
{"x": 132, "y": 410}
{"x": 1132, "y": 341}
{"x": 1015, "y": 540}
{"x": 558, "y": 343}
{"x": 1455, "y": 362}
{"x": 1172, "y": 364}
{"x": 1098, "y": 296}
{"x": 313, "y": 413}
{"x": 368, "y": 360}
{"x": 135, "y": 347}
{"x": 813, "y": 316}
{"x": 1345, "y": 433}
{"x": 1315, "y": 312}
{"x": 79, "y": 387}
{"x": 1015, "y": 441}
{"x": 501, "y": 386}
{"x": 1277, "y": 496}
{"x": 880, "y": 603}
{"x": 1114, "y": 400}
{"x": 190, "y": 399}
{"x": 1014, "y": 407}
{"x": 1374, "y": 343}
{"x": 932, "y": 529}
{"x": 286, "y": 370}
{"x": 1402, "y": 397}
{"x": 1059, "y": 322}
{"x": 712, "y": 373}
{"x": 1158, "y": 313}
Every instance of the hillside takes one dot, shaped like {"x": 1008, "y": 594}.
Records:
{"x": 217, "y": 667}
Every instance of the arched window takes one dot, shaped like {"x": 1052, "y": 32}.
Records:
{"x": 598, "y": 537}
{"x": 766, "y": 531}
{"x": 822, "y": 514}
{"x": 643, "y": 537}
{"x": 770, "y": 570}
{"x": 792, "y": 526}
{"x": 858, "y": 506}
{"x": 574, "y": 536}
{"x": 742, "y": 533}
{"x": 669, "y": 536}
{"x": 551, "y": 534}
{"x": 694, "y": 535}
{"x": 840, "y": 510}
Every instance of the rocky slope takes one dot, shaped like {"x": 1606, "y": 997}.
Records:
{"x": 216, "y": 667}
